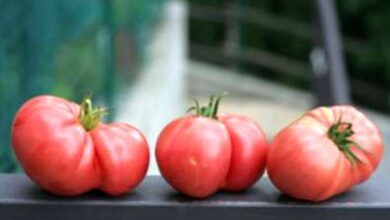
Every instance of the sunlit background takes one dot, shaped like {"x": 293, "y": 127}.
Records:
{"x": 144, "y": 59}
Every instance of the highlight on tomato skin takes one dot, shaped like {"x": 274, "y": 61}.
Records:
{"x": 204, "y": 152}
{"x": 67, "y": 150}
{"x": 324, "y": 153}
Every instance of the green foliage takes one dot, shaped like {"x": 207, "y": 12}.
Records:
{"x": 137, "y": 17}
{"x": 81, "y": 74}
{"x": 63, "y": 48}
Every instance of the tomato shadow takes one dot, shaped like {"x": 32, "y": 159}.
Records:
{"x": 252, "y": 194}
{"x": 175, "y": 196}
{"x": 286, "y": 199}
{"x": 36, "y": 193}
{"x": 341, "y": 198}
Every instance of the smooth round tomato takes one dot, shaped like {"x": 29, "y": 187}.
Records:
{"x": 193, "y": 155}
{"x": 66, "y": 150}
{"x": 324, "y": 153}
{"x": 202, "y": 153}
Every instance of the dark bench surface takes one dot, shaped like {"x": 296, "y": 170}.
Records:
{"x": 154, "y": 199}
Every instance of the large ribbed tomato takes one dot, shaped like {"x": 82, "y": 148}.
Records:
{"x": 324, "y": 153}
{"x": 199, "y": 154}
{"x": 66, "y": 150}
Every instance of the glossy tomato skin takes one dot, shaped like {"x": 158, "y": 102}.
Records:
{"x": 200, "y": 155}
{"x": 125, "y": 156}
{"x": 62, "y": 157}
{"x": 304, "y": 162}
{"x": 193, "y": 155}
{"x": 249, "y": 151}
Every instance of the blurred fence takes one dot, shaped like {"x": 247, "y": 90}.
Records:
{"x": 270, "y": 43}
{"x": 70, "y": 49}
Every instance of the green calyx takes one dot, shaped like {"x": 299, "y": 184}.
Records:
{"x": 90, "y": 117}
{"x": 210, "y": 110}
{"x": 340, "y": 133}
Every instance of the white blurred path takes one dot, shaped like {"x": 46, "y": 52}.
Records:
{"x": 158, "y": 95}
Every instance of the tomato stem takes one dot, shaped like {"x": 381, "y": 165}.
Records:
{"x": 90, "y": 117}
{"x": 340, "y": 133}
{"x": 209, "y": 111}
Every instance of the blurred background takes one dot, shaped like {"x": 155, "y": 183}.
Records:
{"x": 143, "y": 59}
